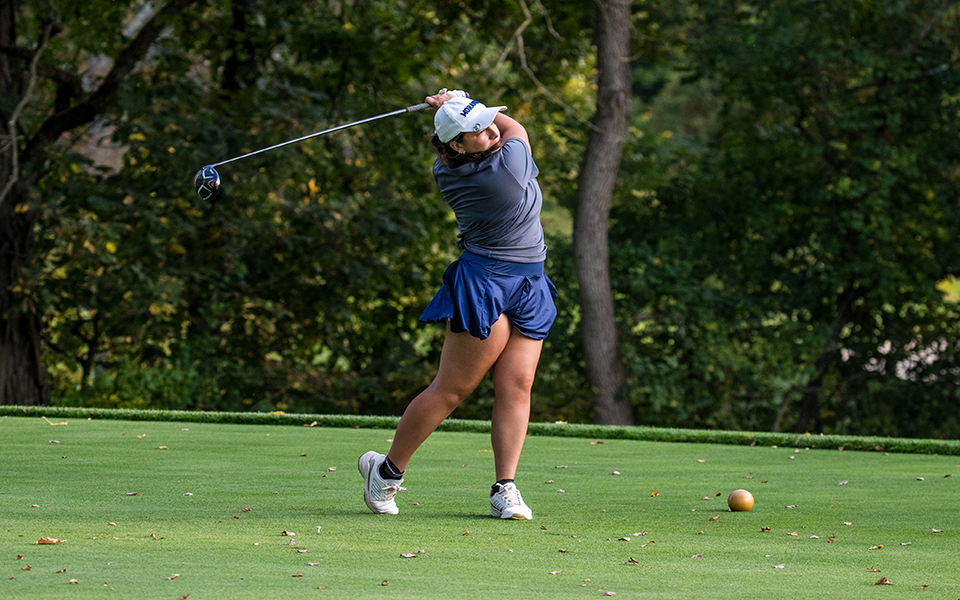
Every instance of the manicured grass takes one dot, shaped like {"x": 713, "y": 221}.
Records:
{"x": 218, "y": 550}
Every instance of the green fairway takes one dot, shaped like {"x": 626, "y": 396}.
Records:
{"x": 212, "y": 502}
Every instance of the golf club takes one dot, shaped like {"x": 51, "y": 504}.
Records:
{"x": 207, "y": 179}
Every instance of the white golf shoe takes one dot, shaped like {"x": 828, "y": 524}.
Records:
{"x": 378, "y": 492}
{"x": 506, "y": 503}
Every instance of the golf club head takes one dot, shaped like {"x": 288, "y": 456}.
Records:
{"x": 207, "y": 182}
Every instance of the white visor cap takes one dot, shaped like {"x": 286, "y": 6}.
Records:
{"x": 459, "y": 115}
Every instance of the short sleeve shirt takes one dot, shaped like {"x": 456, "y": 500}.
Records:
{"x": 497, "y": 203}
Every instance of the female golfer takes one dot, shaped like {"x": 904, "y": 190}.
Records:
{"x": 497, "y": 302}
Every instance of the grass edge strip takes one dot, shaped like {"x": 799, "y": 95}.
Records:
{"x": 598, "y": 432}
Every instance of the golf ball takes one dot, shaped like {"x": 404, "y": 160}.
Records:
{"x": 740, "y": 500}
{"x": 207, "y": 182}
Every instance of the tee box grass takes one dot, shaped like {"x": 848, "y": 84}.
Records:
{"x": 172, "y": 510}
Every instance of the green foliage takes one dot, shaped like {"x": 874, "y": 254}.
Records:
{"x": 786, "y": 274}
{"x": 782, "y": 245}
{"x": 299, "y": 287}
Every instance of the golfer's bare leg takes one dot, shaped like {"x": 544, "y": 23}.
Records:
{"x": 513, "y": 376}
{"x": 464, "y": 361}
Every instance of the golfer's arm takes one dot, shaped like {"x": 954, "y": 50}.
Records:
{"x": 510, "y": 128}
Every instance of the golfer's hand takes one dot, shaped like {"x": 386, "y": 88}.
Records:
{"x": 437, "y": 100}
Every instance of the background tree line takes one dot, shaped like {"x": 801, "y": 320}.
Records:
{"x": 782, "y": 227}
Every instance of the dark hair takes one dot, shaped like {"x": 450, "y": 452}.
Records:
{"x": 449, "y": 157}
{"x": 452, "y": 159}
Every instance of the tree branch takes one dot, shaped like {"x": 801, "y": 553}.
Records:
{"x": 517, "y": 39}
{"x": 44, "y": 70}
{"x": 101, "y": 99}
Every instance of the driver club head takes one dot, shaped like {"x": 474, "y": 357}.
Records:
{"x": 207, "y": 182}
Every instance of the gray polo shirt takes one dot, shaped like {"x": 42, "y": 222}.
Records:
{"x": 497, "y": 203}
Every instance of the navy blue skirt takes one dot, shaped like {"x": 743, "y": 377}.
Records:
{"x": 477, "y": 290}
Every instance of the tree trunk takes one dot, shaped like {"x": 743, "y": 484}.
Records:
{"x": 809, "y": 414}
{"x": 601, "y": 161}
{"x": 22, "y": 375}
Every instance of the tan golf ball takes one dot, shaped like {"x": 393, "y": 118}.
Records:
{"x": 740, "y": 500}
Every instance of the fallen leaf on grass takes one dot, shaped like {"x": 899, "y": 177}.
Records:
{"x": 408, "y": 555}
{"x": 290, "y": 533}
{"x": 19, "y": 557}
{"x": 61, "y": 571}
{"x": 762, "y": 529}
{"x": 697, "y": 556}
{"x": 792, "y": 533}
{"x": 174, "y": 576}
{"x": 331, "y": 468}
{"x": 780, "y": 566}
{"x": 883, "y": 581}
{"x": 874, "y": 570}
{"x": 936, "y": 531}
{"x": 46, "y": 541}
{"x": 633, "y": 561}
{"x": 314, "y": 424}
{"x": 72, "y": 581}
{"x": 924, "y": 586}
{"x": 54, "y": 441}
{"x": 162, "y": 448}
{"x": 555, "y": 572}
{"x": 843, "y": 483}
{"x": 655, "y": 494}
{"x": 26, "y": 568}
{"x": 183, "y": 597}
{"x": 302, "y": 551}
{"x": 297, "y": 575}
{"x": 131, "y": 493}
{"x": 876, "y": 547}
{"x": 715, "y": 518}
{"x": 312, "y": 564}
{"x": 609, "y": 594}
{"x": 468, "y": 533}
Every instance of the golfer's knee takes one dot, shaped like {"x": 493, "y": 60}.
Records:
{"x": 451, "y": 396}
{"x": 514, "y": 383}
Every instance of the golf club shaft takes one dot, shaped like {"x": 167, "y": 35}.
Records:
{"x": 401, "y": 111}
